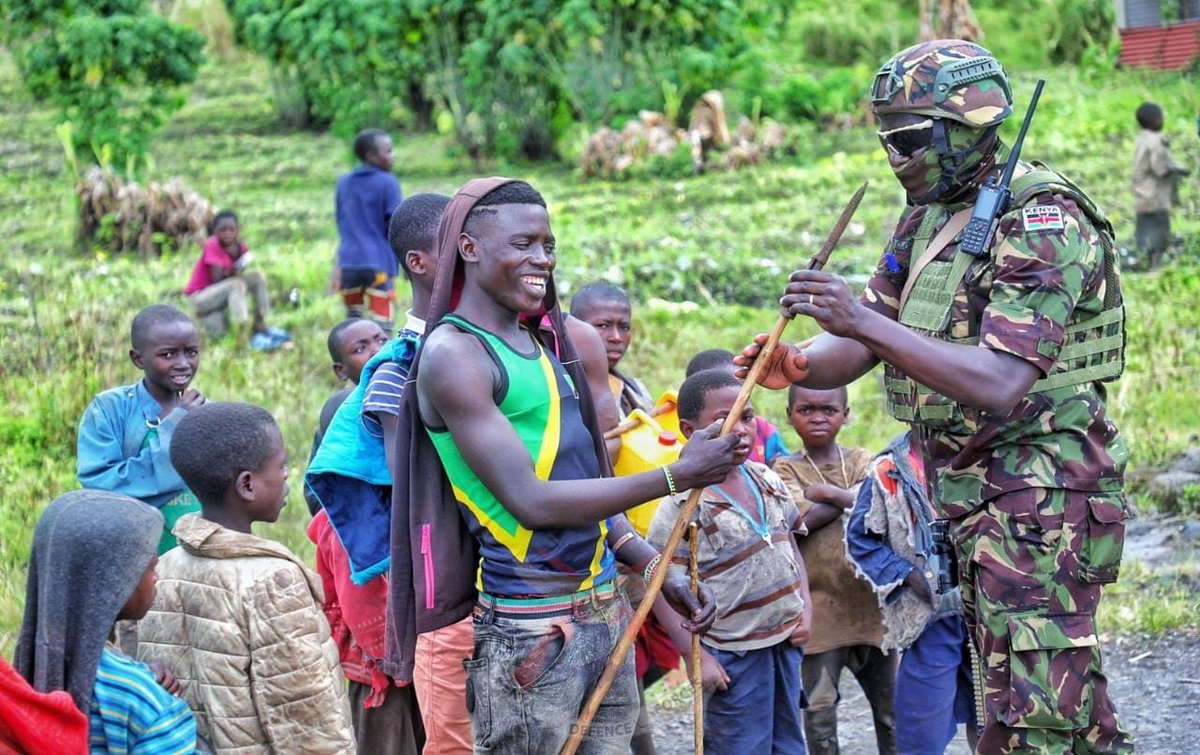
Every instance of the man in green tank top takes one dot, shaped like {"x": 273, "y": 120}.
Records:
{"x": 505, "y": 418}
{"x": 998, "y": 361}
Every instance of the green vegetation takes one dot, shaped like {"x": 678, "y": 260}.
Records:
{"x": 112, "y": 68}
{"x": 705, "y": 256}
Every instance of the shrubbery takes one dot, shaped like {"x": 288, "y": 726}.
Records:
{"x": 111, "y": 68}
{"x": 511, "y": 78}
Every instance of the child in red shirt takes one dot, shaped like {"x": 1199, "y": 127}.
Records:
{"x": 219, "y": 284}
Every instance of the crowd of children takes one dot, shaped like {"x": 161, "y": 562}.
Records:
{"x": 239, "y": 647}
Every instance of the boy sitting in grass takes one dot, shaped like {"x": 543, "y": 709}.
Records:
{"x": 748, "y": 555}
{"x": 238, "y": 617}
{"x": 847, "y": 630}
{"x": 351, "y": 343}
{"x": 125, "y": 434}
{"x": 351, "y": 478}
{"x": 92, "y": 564}
{"x": 768, "y": 441}
{"x": 219, "y": 284}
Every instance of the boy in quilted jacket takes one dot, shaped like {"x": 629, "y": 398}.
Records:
{"x": 238, "y": 617}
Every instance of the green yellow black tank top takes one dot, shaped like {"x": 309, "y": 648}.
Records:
{"x": 538, "y": 398}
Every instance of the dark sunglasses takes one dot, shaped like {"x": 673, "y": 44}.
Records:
{"x": 910, "y": 139}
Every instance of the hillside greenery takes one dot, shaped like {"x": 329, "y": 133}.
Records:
{"x": 704, "y": 256}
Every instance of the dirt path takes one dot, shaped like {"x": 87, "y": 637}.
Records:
{"x": 1155, "y": 681}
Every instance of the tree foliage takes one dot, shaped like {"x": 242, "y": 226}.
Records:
{"x": 112, "y": 69}
{"x": 511, "y": 76}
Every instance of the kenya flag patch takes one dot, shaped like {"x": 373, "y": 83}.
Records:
{"x": 1042, "y": 218}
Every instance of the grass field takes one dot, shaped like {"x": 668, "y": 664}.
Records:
{"x": 685, "y": 248}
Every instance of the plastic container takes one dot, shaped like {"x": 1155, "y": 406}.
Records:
{"x": 647, "y": 446}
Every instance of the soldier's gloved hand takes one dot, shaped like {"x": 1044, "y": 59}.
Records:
{"x": 826, "y": 298}
{"x": 787, "y": 365}
{"x": 698, "y": 615}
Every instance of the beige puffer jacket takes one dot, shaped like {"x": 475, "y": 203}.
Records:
{"x": 238, "y": 620}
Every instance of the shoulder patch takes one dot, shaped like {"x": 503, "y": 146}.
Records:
{"x": 1039, "y": 218}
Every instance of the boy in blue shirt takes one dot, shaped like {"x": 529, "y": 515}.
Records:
{"x": 125, "y": 434}
{"x": 363, "y": 202}
{"x": 889, "y": 539}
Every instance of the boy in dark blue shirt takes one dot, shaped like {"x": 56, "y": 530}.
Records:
{"x": 363, "y": 201}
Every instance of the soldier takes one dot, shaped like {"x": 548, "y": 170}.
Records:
{"x": 998, "y": 362}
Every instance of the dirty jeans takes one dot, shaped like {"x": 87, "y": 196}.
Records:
{"x": 876, "y": 674}
{"x": 529, "y": 679}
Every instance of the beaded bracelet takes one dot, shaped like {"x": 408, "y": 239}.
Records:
{"x": 670, "y": 480}
{"x": 648, "y": 572}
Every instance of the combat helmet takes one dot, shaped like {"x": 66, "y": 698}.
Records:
{"x": 944, "y": 78}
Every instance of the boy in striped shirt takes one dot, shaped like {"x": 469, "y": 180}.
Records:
{"x": 748, "y": 555}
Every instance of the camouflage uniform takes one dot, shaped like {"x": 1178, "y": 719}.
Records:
{"x": 1035, "y": 494}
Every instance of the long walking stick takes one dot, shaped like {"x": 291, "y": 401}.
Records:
{"x": 689, "y": 507}
{"x": 697, "y": 673}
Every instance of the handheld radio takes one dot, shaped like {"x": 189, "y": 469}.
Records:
{"x": 995, "y": 196}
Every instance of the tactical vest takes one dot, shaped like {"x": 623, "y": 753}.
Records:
{"x": 1093, "y": 349}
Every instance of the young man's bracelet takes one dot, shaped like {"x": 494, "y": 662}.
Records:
{"x": 670, "y": 480}
{"x": 648, "y": 572}
{"x": 622, "y": 540}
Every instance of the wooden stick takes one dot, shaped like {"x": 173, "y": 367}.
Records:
{"x": 697, "y": 673}
{"x": 693, "y": 500}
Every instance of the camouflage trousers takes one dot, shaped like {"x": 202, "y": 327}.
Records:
{"x": 1031, "y": 564}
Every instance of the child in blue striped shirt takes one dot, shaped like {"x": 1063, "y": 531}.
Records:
{"x": 93, "y": 564}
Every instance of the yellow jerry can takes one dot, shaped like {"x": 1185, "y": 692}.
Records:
{"x": 646, "y": 445}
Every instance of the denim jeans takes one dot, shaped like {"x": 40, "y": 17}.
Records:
{"x": 529, "y": 679}
{"x": 760, "y": 712}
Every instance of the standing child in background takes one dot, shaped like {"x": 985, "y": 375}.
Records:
{"x": 889, "y": 538}
{"x": 125, "y": 434}
{"x": 219, "y": 284}
{"x": 1155, "y": 185}
{"x": 92, "y": 564}
{"x": 351, "y": 343}
{"x": 238, "y": 617}
{"x": 768, "y": 441}
{"x": 363, "y": 203}
{"x": 747, "y": 554}
{"x": 606, "y": 308}
{"x": 847, "y": 629}
{"x": 351, "y": 477}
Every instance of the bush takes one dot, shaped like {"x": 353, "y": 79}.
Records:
{"x": 511, "y": 76}
{"x": 804, "y": 96}
{"x": 111, "y": 68}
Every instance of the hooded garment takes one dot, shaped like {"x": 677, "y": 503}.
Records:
{"x": 90, "y": 550}
{"x": 434, "y": 557}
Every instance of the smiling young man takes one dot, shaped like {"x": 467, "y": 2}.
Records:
{"x": 514, "y": 430}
